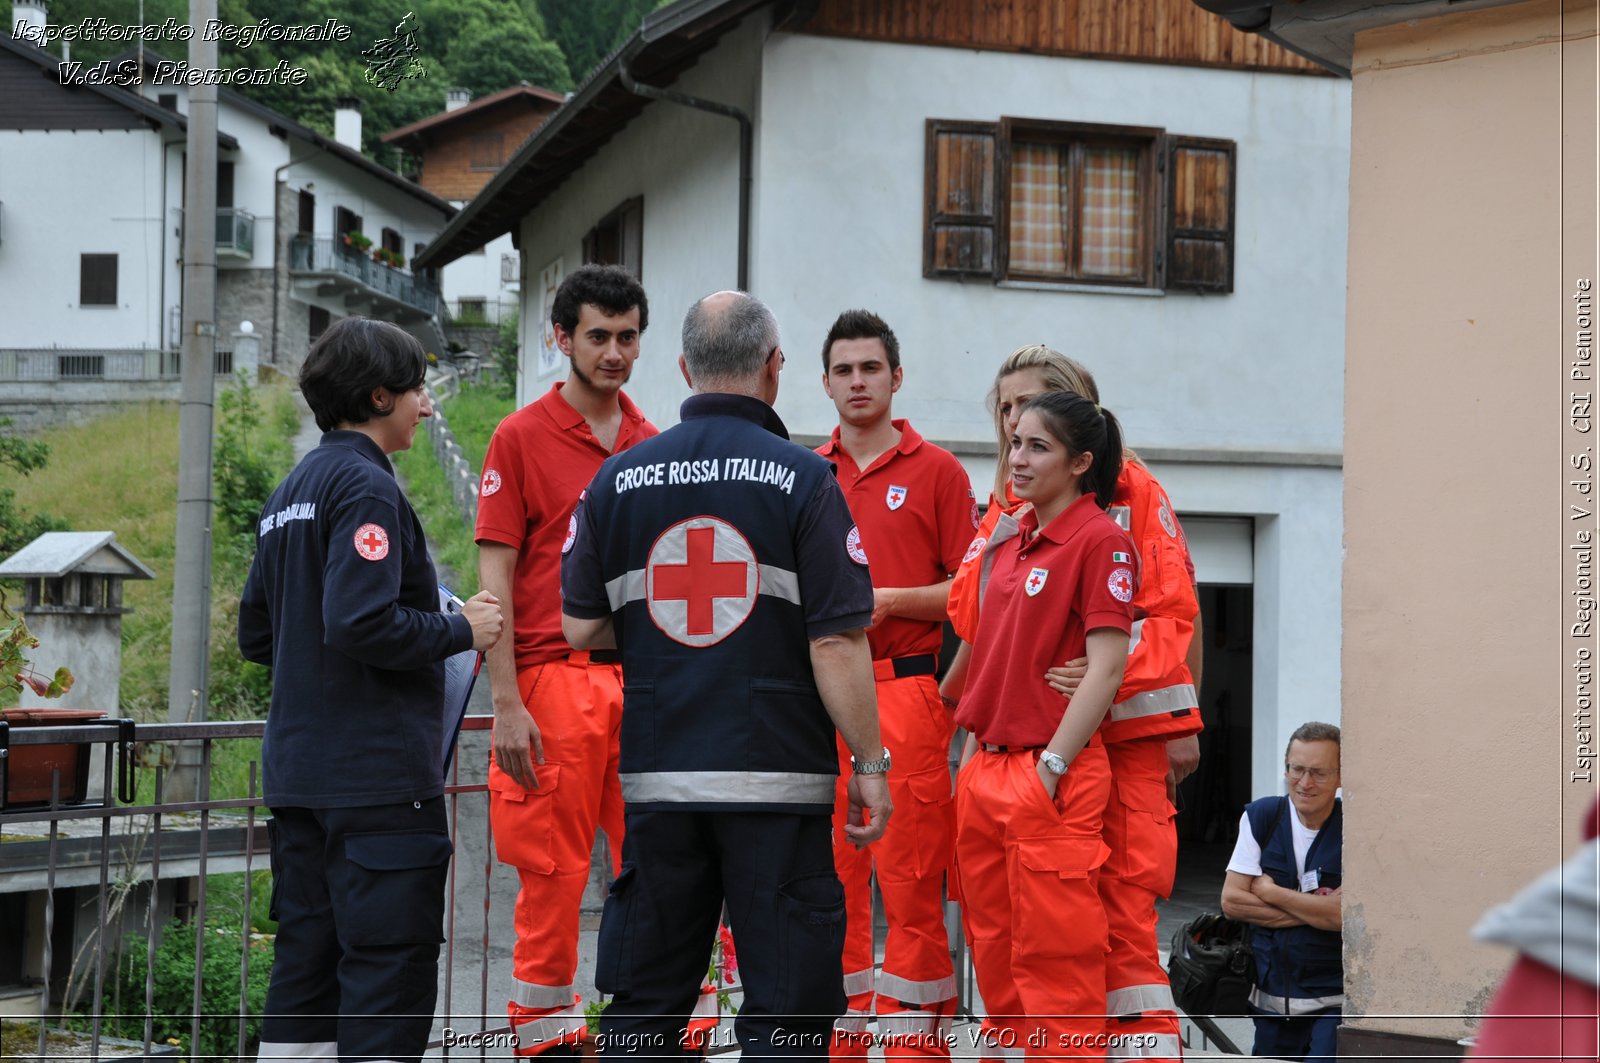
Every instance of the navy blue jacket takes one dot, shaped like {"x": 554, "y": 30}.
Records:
{"x": 719, "y": 549}
{"x": 342, "y": 603}
{"x": 1298, "y": 962}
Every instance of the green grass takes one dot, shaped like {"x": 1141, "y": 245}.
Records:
{"x": 473, "y": 415}
{"x": 119, "y": 473}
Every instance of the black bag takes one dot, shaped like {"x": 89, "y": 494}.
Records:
{"x": 1211, "y": 967}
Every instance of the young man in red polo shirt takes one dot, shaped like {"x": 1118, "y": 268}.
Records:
{"x": 557, "y": 711}
{"x": 914, "y": 512}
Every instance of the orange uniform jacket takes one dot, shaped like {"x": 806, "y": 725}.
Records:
{"x": 1157, "y": 696}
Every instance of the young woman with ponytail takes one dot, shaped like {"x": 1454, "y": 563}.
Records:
{"x": 1150, "y": 731}
{"x": 1035, "y": 778}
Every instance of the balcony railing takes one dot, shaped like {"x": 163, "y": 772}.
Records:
{"x": 330, "y": 257}
{"x": 236, "y": 232}
{"x": 78, "y": 365}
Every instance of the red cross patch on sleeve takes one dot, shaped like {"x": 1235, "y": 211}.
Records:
{"x": 372, "y": 542}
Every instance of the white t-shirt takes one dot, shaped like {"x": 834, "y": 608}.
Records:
{"x": 1246, "y": 858}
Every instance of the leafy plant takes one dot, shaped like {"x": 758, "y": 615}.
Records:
{"x": 506, "y": 356}
{"x": 246, "y": 462}
{"x": 24, "y": 456}
{"x": 172, "y": 1008}
{"x": 15, "y": 671}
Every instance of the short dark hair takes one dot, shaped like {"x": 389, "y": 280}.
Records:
{"x": 861, "y": 325}
{"x": 1314, "y": 732}
{"x": 611, "y": 288}
{"x": 351, "y": 359}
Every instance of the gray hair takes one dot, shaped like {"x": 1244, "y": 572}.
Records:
{"x": 729, "y": 345}
{"x": 1313, "y": 732}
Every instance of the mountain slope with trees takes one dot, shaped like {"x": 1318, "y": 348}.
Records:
{"x": 480, "y": 45}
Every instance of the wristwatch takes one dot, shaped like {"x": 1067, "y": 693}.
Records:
{"x": 871, "y": 767}
{"x": 1053, "y": 763}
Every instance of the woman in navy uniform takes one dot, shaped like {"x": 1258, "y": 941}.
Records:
{"x": 343, "y": 605}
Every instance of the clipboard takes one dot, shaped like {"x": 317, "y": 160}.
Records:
{"x": 460, "y": 673}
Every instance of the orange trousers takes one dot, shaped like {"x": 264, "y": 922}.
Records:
{"x": 548, "y": 836}
{"x": 915, "y": 994}
{"x": 1144, "y": 858}
{"x": 1029, "y": 869}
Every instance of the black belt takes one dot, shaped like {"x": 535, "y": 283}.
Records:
{"x": 905, "y": 667}
{"x": 605, "y": 656}
{"x": 990, "y": 747}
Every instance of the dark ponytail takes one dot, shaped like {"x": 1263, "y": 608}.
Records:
{"x": 1083, "y": 426}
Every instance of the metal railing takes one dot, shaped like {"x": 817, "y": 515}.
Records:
{"x": 236, "y": 230}
{"x": 106, "y": 842}
{"x": 68, "y": 365}
{"x": 322, "y": 254}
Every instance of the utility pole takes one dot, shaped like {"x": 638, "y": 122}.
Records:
{"x": 188, "y": 687}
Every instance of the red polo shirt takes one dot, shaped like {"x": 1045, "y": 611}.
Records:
{"x": 1080, "y": 572}
{"x": 540, "y": 460}
{"x": 914, "y": 509}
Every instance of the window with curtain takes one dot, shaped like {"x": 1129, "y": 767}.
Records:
{"x": 1039, "y": 201}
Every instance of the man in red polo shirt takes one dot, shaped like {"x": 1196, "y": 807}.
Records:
{"x": 557, "y": 712}
{"x": 914, "y": 511}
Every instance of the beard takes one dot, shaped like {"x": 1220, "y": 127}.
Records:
{"x": 588, "y": 381}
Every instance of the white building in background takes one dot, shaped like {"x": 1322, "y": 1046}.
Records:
{"x": 91, "y": 231}
{"x": 889, "y": 148}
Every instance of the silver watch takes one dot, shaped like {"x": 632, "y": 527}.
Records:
{"x": 871, "y": 767}
{"x": 1053, "y": 763}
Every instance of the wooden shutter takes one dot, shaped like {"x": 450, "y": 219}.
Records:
{"x": 97, "y": 280}
{"x": 1200, "y": 182}
{"x": 961, "y": 199}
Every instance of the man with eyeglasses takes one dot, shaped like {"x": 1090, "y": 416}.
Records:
{"x": 1285, "y": 877}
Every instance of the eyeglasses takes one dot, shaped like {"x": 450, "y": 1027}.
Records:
{"x": 1300, "y": 771}
{"x": 782, "y": 358}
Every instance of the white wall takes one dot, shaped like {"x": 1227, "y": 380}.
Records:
{"x": 58, "y": 205}
{"x": 685, "y": 163}
{"x": 477, "y": 276}
{"x": 1230, "y": 383}
{"x": 840, "y": 209}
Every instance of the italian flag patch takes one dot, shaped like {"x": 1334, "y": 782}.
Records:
{"x": 1119, "y": 558}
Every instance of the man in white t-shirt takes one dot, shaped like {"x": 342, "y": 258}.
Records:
{"x": 1285, "y": 878}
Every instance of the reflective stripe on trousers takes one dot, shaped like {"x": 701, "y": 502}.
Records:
{"x": 298, "y": 1050}
{"x": 568, "y": 1026}
{"x": 1135, "y": 999}
{"x": 931, "y": 992}
{"x": 1155, "y": 702}
{"x": 858, "y": 982}
{"x": 1294, "y": 1005}
{"x": 852, "y": 1021}
{"x": 533, "y": 995}
{"x": 1144, "y": 1046}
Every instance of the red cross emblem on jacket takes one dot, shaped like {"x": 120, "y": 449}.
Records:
{"x": 702, "y": 581}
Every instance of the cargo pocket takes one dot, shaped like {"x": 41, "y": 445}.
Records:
{"x": 394, "y": 892}
{"x": 810, "y": 946}
{"x": 1058, "y": 910}
{"x": 523, "y": 821}
{"x": 933, "y": 820}
{"x": 1150, "y": 857}
{"x": 613, "y": 961}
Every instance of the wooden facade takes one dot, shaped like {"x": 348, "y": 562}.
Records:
{"x": 461, "y": 151}
{"x": 1151, "y": 31}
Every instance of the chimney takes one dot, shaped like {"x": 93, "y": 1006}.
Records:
{"x": 455, "y": 99}
{"x": 347, "y": 121}
{"x": 28, "y": 18}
